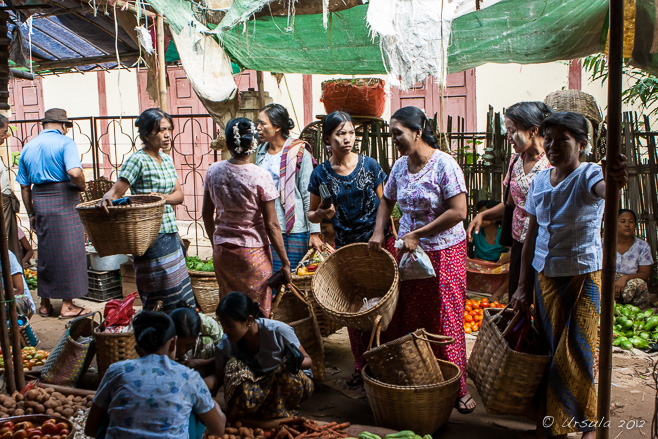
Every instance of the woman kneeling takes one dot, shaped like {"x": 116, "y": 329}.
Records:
{"x": 259, "y": 361}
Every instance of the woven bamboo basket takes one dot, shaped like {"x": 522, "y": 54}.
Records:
{"x": 95, "y": 189}
{"x": 406, "y": 361}
{"x": 291, "y": 307}
{"x": 576, "y": 101}
{"x": 354, "y": 273}
{"x": 111, "y": 348}
{"x": 506, "y": 380}
{"x": 305, "y": 285}
{"x": 126, "y": 230}
{"x": 206, "y": 290}
{"x": 423, "y": 409}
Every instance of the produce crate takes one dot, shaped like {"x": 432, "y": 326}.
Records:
{"x": 104, "y": 285}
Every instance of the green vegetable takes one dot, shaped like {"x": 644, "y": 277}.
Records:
{"x": 404, "y": 434}
{"x": 625, "y": 323}
{"x": 368, "y": 435}
{"x": 617, "y": 328}
{"x": 625, "y": 344}
{"x": 645, "y": 335}
{"x": 618, "y": 340}
{"x": 640, "y": 326}
{"x": 626, "y": 312}
{"x": 648, "y": 313}
{"x": 639, "y": 343}
{"x": 630, "y": 333}
{"x": 651, "y": 323}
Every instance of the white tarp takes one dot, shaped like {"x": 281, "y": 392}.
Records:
{"x": 414, "y": 36}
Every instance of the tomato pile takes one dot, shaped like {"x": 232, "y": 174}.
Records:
{"x": 31, "y": 357}
{"x": 51, "y": 429}
{"x": 474, "y": 311}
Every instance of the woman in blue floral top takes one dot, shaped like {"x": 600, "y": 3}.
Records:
{"x": 160, "y": 273}
{"x": 153, "y": 396}
{"x": 356, "y": 184}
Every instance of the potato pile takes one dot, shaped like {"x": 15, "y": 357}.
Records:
{"x": 42, "y": 401}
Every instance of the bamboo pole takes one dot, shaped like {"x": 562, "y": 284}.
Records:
{"x": 261, "y": 89}
{"x": 162, "y": 64}
{"x": 11, "y": 307}
{"x": 610, "y": 216}
{"x": 10, "y": 376}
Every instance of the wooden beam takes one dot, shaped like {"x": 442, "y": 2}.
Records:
{"x": 575, "y": 75}
{"x": 127, "y": 58}
{"x": 162, "y": 64}
{"x": 612, "y": 196}
{"x": 261, "y": 90}
{"x": 307, "y": 96}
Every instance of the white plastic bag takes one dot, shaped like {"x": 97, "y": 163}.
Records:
{"x": 415, "y": 265}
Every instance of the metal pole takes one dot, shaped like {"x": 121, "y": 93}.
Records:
{"x": 610, "y": 216}
{"x": 162, "y": 64}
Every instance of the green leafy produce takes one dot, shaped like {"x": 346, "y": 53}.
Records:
{"x": 194, "y": 263}
{"x": 633, "y": 327}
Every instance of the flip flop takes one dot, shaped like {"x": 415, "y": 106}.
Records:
{"x": 355, "y": 381}
{"x": 47, "y": 313}
{"x": 81, "y": 312}
{"x": 465, "y": 410}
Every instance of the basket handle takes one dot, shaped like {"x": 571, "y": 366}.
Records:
{"x": 438, "y": 339}
{"x": 510, "y": 325}
{"x": 308, "y": 254}
{"x": 277, "y": 299}
{"x": 84, "y": 316}
{"x": 299, "y": 294}
{"x": 376, "y": 331}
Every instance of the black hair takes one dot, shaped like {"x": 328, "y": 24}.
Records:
{"x": 575, "y": 123}
{"x": 3, "y": 121}
{"x": 279, "y": 117}
{"x": 247, "y": 132}
{"x": 186, "y": 320}
{"x": 149, "y": 120}
{"x": 332, "y": 121}
{"x": 152, "y": 330}
{"x": 238, "y": 307}
{"x": 628, "y": 211}
{"x": 528, "y": 114}
{"x": 487, "y": 203}
{"x": 414, "y": 119}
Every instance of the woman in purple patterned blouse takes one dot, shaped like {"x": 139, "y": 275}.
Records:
{"x": 522, "y": 122}
{"x": 429, "y": 186}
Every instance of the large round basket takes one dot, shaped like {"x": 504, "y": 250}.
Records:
{"x": 423, "y": 409}
{"x": 126, "y": 230}
{"x": 350, "y": 275}
{"x": 206, "y": 290}
{"x": 111, "y": 348}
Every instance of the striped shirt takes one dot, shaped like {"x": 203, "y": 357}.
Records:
{"x": 145, "y": 175}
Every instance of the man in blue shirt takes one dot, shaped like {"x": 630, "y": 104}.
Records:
{"x": 51, "y": 177}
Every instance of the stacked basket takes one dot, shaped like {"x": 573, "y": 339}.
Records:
{"x": 206, "y": 290}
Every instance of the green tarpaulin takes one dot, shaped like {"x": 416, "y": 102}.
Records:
{"x": 511, "y": 31}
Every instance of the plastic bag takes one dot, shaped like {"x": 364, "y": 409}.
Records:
{"x": 118, "y": 312}
{"x": 415, "y": 265}
{"x": 369, "y": 303}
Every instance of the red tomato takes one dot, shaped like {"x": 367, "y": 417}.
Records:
{"x": 35, "y": 434}
{"x": 6, "y": 435}
{"x": 62, "y": 426}
{"x": 49, "y": 428}
{"x": 468, "y": 308}
{"x": 468, "y": 330}
{"x": 56, "y": 436}
{"x": 64, "y": 432}
{"x": 9, "y": 425}
{"x": 19, "y": 434}
{"x": 468, "y": 318}
{"x": 4, "y": 430}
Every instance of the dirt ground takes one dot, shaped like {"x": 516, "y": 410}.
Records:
{"x": 633, "y": 391}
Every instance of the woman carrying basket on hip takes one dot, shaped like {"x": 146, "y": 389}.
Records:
{"x": 561, "y": 261}
{"x": 430, "y": 189}
{"x": 160, "y": 273}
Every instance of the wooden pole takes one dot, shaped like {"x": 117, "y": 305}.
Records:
{"x": 612, "y": 196}
{"x": 261, "y": 90}
{"x": 11, "y": 307}
{"x": 162, "y": 64}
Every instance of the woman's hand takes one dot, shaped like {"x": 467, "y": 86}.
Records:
{"x": 196, "y": 364}
{"x": 105, "y": 202}
{"x": 285, "y": 269}
{"x": 376, "y": 241}
{"x": 619, "y": 171}
{"x": 315, "y": 242}
{"x": 520, "y": 300}
{"x": 474, "y": 227}
{"x": 619, "y": 285}
{"x": 327, "y": 213}
{"x": 409, "y": 243}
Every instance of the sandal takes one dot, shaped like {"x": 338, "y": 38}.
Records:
{"x": 462, "y": 406}
{"x": 356, "y": 380}
{"x": 81, "y": 312}
{"x": 47, "y": 313}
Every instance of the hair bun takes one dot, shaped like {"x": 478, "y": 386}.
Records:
{"x": 291, "y": 124}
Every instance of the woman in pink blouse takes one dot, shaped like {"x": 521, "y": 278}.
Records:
{"x": 522, "y": 121}
{"x": 430, "y": 189}
{"x": 240, "y": 219}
